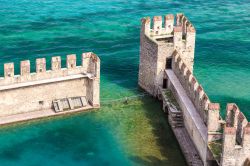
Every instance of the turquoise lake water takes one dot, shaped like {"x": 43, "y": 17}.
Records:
{"x": 30, "y": 29}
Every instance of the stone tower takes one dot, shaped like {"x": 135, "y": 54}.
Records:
{"x": 157, "y": 45}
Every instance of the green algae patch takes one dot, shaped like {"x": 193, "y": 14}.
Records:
{"x": 170, "y": 97}
{"x": 142, "y": 130}
{"x": 216, "y": 148}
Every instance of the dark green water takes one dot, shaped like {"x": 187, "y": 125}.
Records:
{"x": 118, "y": 134}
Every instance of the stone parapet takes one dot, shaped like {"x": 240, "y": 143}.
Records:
{"x": 30, "y": 92}
{"x": 159, "y": 37}
{"x": 234, "y": 152}
{"x": 236, "y": 135}
{"x": 169, "y": 44}
{"x": 194, "y": 90}
{"x": 89, "y": 63}
{"x": 158, "y": 28}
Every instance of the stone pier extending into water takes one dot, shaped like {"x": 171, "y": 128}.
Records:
{"x": 166, "y": 64}
{"x": 49, "y": 92}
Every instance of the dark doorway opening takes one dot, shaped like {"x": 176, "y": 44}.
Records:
{"x": 164, "y": 86}
{"x": 169, "y": 63}
{"x": 166, "y": 110}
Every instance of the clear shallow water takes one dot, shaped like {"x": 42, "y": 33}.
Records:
{"x": 31, "y": 28}
{"x": 131, "y": 133}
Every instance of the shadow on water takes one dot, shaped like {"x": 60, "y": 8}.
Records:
{"x": 165, "y": 141}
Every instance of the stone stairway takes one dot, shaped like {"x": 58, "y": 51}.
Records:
{"x": 175, "y": 118}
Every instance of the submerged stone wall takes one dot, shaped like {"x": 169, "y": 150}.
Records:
{"x": 36, "y": 91}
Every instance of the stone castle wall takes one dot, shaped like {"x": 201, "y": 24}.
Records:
{"x": 185, "y": 29}
{"x": 175, "y": 41}
{"x": 148, "y": 59}
{"x": 157, "y": 44}
{"x": 36, "y": 91}
{"x": 193, "y": 89}
{"x": 193, "y": 125}
{"x": 236, "y": 138}
{"x": 236, "y": 129}
{"x": 196, "y": 124}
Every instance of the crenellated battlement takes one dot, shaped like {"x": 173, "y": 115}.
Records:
{"x": 74, "y": 86}
{"x": 88, "y": 67}
{"x": 178, "y": 33}
{"x": 158, "y": 41}
{"x": 236, "y": 119}
{"x": 182, "y": 21}
{"x": 167, "y": 26}
{"x": 236, "y": 137}
{"x": 192, "y": 87}
{"x": 166, "y": 62}
{"x": 158, "y": 28}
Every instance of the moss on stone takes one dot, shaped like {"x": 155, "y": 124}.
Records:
{"x": 216, "y": 148}
{"x": 171, "y": 98}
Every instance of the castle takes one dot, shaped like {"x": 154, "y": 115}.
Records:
{"x": 166, "y": 64}
{"x": 165, "y": 71}
{"x": 49, "y": 92}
